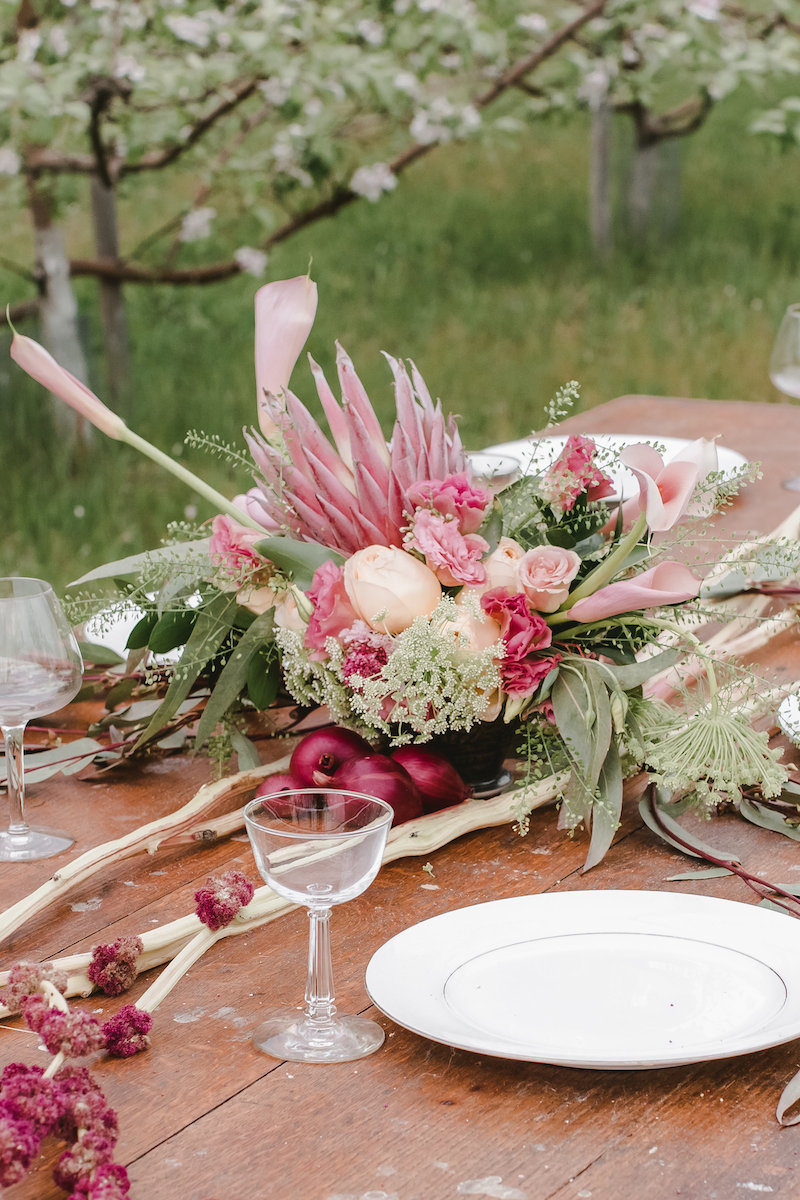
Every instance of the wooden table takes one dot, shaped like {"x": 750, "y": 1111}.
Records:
{"x": 204, "y": 1115}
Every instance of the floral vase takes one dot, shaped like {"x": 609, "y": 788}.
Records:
{"x": 479, "y": 754}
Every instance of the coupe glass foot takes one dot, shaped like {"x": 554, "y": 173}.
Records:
{"x": 293, "y": 1036}
{"x": 32, "y": 844}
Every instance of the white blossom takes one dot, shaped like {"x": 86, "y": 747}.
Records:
{"x": 59, "y": 42}
{"x": 532, "y": 22}
{"x": 251, "y": 261}
{"x": 707, "y": 10}
{"x": 372, "y": 181}
{"x": 127, "y": 67}
{"x": 10, "y": 161}
{"x": 194, "y": 30}
{"x": 28, "y": 43}
{"x": 196, "y": 225}
{"x": 372, "y": 32}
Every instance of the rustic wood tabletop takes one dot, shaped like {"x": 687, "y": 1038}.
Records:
{"x": 205, "y": 1116}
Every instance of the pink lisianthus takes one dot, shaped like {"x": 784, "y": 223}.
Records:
{"x": 573, "y": 473}
{"x": 453, "y": 497}
{"x": 667, "y": 583}
{"x": 454, "y": 557}
{"x": 232, "y": 547}
{"x": 545, "y": 573}
{"x": 523, "y": 678}
{"x": 332, "y": 612}
{"x": 666, "y": 492}
{"x": 522, "y": 631}
{"x": 366, "y": 653}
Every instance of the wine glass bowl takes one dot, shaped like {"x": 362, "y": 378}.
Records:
{"x": 784, "y": 366}
{"x": 318, "y": 848}
{"x": 493, "y": 471}
{"x": 40, "y": 671}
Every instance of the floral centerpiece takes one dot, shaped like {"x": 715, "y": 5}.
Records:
{"x": 383, "y": 580}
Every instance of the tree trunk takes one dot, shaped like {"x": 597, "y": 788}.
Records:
{"x": 600, "y": 178}
{"x": 653, "y": 195}
{"x": 58, "y": 308}
{"x": 112, "y": 301}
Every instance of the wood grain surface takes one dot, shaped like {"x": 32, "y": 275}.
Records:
{"x": 204, "y": 1116}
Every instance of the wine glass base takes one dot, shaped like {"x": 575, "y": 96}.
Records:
{"x": 291, "y": 1035}
{"x": 791, "y": 485}
{"x": 33, "y": 844}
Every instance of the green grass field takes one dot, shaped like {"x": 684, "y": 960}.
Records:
{"x": 479, "y": 268}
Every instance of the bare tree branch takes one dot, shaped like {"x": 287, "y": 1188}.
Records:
{"x": 677, "y": 122}
{"x": 341, "y": 196}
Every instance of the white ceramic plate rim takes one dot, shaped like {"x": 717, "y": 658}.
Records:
{"x": 789, "y": 717}
{"x": 534, "y": 454}
{"x": 407, "y": 977}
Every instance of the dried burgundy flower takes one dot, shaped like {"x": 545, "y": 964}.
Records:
{"x": 113, "y": 966}
{"x": 109, "y": 1182}
{"x": 220, "y": 899}
{"x": 83, "y": 1105}
{"x": 126, "y": 1032}
{"x": 74, "y": 1033}
{"x": 80, "y": 1162}
{"x": 25, "y": 979}
{"x": 28, "y": 1096}
{"x": 19, "y": 1145}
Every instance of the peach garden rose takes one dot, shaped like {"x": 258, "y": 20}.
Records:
{"x": 389, "y": 588}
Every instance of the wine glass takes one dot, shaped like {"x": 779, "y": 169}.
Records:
{"x": 318, "y": 848}
{"x": 493, "y": 471}
{"x": 40, "y": 672}
{"x": 784, "y": 366}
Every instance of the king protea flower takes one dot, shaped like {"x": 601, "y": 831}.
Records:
{"x": 350, "y": 491}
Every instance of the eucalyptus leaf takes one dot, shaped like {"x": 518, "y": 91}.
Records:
{"x": 298, "y": 559}
{"x": 246, "y": 752}
{"x": 709, "y": 873}
{"x": 136, "y": 563}
{"x": 696, "y": 847}
{"x": 602, "y": 727}
{"x": 234, "y": 675}
{"x": 571, "y": 707}
{"x": 172, "y": 630}
{"x": 263, "y": 678}
{"x": 140, "y": 634}
{"x": 99, "y": 656}
{"x": 606, "y": 810}
{"x": 789, "y": 1097}
{"x": 211, "y": 628}
{"x": 635, "y": 674}
{"x": 765, "y": 818}
{"x": 67, "y": 758}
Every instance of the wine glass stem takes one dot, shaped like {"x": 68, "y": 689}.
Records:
{"x": 15, "y": 771}
{"x": 320, "y": 1007}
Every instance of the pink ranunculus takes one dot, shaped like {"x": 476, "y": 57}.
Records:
{"x": 667, "y": 583}
{"x": 232, "y": 546}
{"x": 332, "y": 612}
{"x": 545, "y": 573}
{"x": 522, "y": 631}
{"x": 453, "y": 497}
{"x": 573, "y": 473}
{"x": 389, "y": 588}
{"x": 523, "y": 678}
{"x": 454, "y": 557}
{"x": 666, "y": 492}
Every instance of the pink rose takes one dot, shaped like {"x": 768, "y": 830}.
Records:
{"x": 545, "y": 573}
{"x": 454, "y": 557}
{"x": 665, "y": 492}
{"x": 453, "y": 497}
{"x": 389, "y": 588}
{"x": 668, "y": 583}
{"x": 523, "y": 678}
{"x": 573, "y": 473}
{"x": 332, "y": 612}
{"x": 522, "y": 631}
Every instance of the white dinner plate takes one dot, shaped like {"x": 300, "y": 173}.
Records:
{"x": 537, "y": 454}
{"x": 599, "y": 979}
{"x": 789, "y": 717}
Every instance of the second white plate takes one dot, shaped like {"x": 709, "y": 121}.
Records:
{"x": 598, "y": 979}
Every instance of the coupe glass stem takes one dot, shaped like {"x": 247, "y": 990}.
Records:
{"x": 320, "y": 1008}
{"x": 15, "y": 779}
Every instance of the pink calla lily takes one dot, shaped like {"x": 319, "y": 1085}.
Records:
{"x": 667, "y": 583}
{"x": 666, "y": 492}
{"x": 285, "y": 311}
{"x": 42, "y": 367}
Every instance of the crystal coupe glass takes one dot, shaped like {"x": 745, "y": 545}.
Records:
{"x": 40, "y": 672}
{"x": 318, "y": 848}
